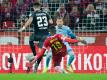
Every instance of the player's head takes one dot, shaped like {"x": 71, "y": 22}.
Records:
{"x": 37, "y": 6}
{"x": 59, "y": 21}
{"x": 52, "y": 30}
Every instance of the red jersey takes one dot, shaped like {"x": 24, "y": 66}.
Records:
{"x": 56, "y": 44}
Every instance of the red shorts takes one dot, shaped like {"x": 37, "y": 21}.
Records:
{"x": 57, "y": 58}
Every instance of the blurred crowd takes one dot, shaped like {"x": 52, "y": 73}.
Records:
{"x": 77, "y": 14}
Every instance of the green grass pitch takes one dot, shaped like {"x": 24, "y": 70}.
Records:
{"x": 72, "y": 76}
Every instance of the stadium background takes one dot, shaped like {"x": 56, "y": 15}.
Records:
{"x": 86, "y": 18}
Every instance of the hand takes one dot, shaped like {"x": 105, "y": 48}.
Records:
{"x": 79, "y": 38}
{"x": 20, "y": 30}
{"x": 84, "y": 42}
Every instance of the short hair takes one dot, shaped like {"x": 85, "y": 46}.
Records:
{"x": 52, "y": 29}
{"x": 36, "y": 5}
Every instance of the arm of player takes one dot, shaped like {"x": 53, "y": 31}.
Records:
{"x": 81, "y": 40}
{"x": 69, "y": 40}
{"x": 70, "y": 33}
{"x": 26, "y": 24}
{"x": 50, "y": 21}
{"x": 73, "y": 36}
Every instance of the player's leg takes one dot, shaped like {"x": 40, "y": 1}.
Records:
{"x": 32, "y": 46}
{"x": 70, "y": 60}
{"x": 71, "y": 56}
{"x": 41, "y": 39}
{"x": 58, "y": 69}
{"x": 48, "y": 58}
{"x": 31, "y": 43}
{"x": 57, "y": 61}
{"x": 29, "y": 57}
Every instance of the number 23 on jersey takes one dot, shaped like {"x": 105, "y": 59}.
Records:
{"x": 42, "y": 21}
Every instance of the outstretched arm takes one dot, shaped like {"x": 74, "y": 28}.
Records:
{"x": 26, "y": 24}
{"x": 69, "y": 40}
{"x": 81, "y": 40}
{"x": 73, "y": 36}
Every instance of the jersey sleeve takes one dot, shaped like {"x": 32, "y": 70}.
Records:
{"x": 48, "y": 16}
{"x": 69, "y": 40}
{"x": 31, "y": 14}
{"x": 63, "y": 38}
{"x": 46, "y": 43}
{"x": 70, "y": 33}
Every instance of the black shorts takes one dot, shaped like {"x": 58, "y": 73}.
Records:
{"x": 38, "y": 37}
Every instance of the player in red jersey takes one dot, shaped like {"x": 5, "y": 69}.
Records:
{"x": 55, "y": 42}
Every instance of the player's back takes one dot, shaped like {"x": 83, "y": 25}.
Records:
{"x": 56, "y": 44}
{"x": 40, "y": 22}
